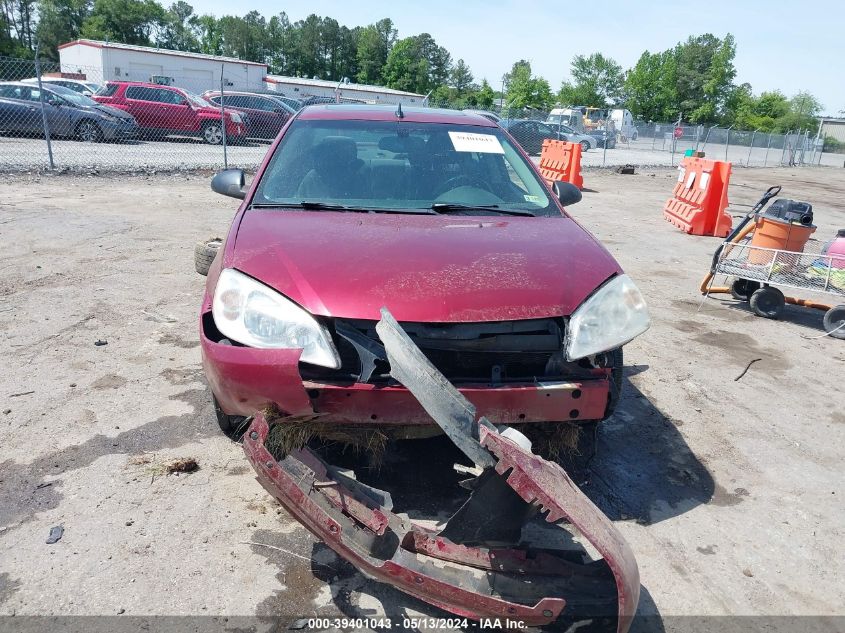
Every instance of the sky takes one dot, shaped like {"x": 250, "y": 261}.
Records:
{"x": 782, "y": 45}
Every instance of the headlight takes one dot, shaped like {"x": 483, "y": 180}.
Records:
{"x": 614, "y": 315}
{"x": 253, "y": 314}
{"x": 236, "y": 118}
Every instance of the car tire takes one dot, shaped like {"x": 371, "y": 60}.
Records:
{"x": 742, "y": 289}
{"x": 834, "y": 322}
{"x": 204, "y": 254}
{"x": 212, "y": 133}
{"x": 233, "y": 426}
{"x": 88, "y": 131}
{"x": 634, "y": 136}
{"x": 767, "y": 302}
{"x": 585, "y": 145}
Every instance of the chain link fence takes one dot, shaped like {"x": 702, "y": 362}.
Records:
{"x": 50, "y": 119}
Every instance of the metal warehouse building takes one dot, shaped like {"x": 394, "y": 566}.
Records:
{"x": 301, "y": 88}
{"x": 834, "y": 128}
{"x": 105, "y": 61}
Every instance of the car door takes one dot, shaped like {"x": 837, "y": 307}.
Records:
{"x": 141, "y": 102}
{"x": 62, "y": 115}
{"x": 178, "y": 112}
{"x": 533, "y": 140}
{"x": 543, "y": 132}
{"x": 17, "y": 114}
{"x": 268, "y": 121}
{"x": 519, "y": 131}
{"x": 57, "y": 112}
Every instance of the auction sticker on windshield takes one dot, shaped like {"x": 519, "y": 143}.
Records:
{"x": 471, "y": 142}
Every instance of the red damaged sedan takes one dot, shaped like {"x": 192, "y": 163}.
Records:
{"x": 441, "y": 218}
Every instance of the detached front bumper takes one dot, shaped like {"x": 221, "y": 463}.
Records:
{"x": 245, "y": 380}
{"x": 532, "y": 586}
{"x": 482, "y": 563}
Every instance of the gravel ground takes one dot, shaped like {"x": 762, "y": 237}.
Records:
{"x": 18, "y": 154}
{"x": 729, "y": 491}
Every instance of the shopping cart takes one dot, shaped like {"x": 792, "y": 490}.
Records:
{"x": 759, "y": 271}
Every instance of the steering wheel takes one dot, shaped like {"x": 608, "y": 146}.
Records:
{"x": 463, "y": 181}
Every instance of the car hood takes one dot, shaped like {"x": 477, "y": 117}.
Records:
{"x": 423, "y": 268}
{"x": 104, "y": 109}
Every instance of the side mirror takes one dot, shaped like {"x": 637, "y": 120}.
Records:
{"x": 230, "y": 182}
{"x": 566, "y": 192}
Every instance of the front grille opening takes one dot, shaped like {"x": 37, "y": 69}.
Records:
{"x": 481, "y": 353}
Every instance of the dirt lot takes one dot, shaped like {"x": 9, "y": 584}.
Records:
{"x": 730, "y": 492}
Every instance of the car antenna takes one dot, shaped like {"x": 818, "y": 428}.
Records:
{"x": 399, "y": 113}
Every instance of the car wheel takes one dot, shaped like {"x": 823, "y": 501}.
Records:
{"x": 204, "y": 254}
{"x": 233, "y": 426}
{"x": 88, "y": 131}
{"x": 834, "y": 322}
{"x": 634, "y": 136}
{"x": 742, "y": 289}
{"x": 212, "y": 133}
{"x": 585, "y": 145}
{"x": 767, "y": 302}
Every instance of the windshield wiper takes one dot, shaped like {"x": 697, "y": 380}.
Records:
{"x": 446, "y": 207}
{"x": 314, "y": 205}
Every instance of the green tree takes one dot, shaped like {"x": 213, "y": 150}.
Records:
{"x": 651, "y": 87}
{"x": 243, "y": 37}
{"x": 60, "y": 21}
{"x": 210, "y": 35}
{"x": 179, "y": 29}
{"x": 598, "y": 82}
{"x": 524, "y": 90}
{"x": 803, "y": 113}
{"x": 438, "y": 58}
{"x": 18, "y": 21}
{"x": 374, "y": 44}
{"x": 460, "y": 78}
{"x": 406, "y": 68}
{"x": 126, "y": 21}
{"x": 485, "y": 96}
{"x": 705, "y": 74}
{"x": 772, "y": 104}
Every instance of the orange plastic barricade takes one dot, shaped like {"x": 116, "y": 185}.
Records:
{"x": 700, "y": 198}
{"x": 560, "y": 160}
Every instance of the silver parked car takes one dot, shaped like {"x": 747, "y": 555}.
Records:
{"x": 69, "y": 114}
{"x": 586, "y": 141}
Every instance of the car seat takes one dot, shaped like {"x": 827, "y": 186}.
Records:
{"x": 337, "y": 172}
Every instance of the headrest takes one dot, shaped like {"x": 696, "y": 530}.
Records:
{"x": 334, "y": 151}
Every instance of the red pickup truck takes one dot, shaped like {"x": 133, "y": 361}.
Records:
{"x": 168, "y": 110}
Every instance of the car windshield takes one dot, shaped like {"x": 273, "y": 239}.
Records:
{"x": 74, "y": 97}
{"x": 388, "y": 165}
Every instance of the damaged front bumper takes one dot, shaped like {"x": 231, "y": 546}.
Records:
{"x": 481, "y": 564}
{"x": 245, "y": 379}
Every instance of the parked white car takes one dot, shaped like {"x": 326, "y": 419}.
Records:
{"x": 87, "y": 88}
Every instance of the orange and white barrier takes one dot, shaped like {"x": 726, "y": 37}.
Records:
{"x": 560, "y": 160}
{"x": 700, "y": 198}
